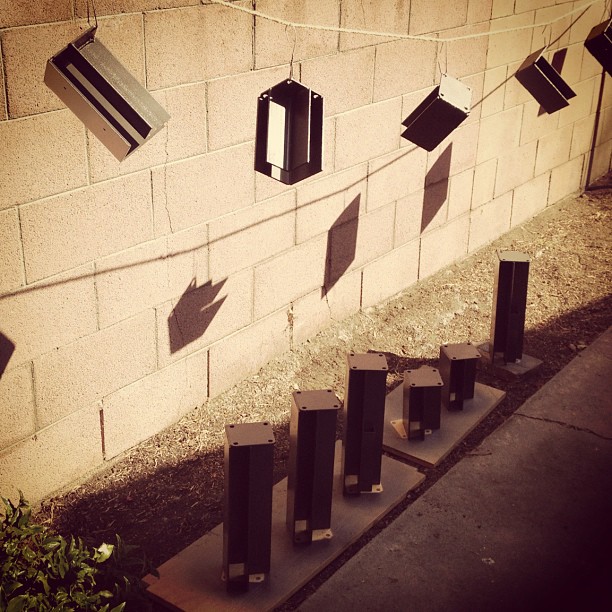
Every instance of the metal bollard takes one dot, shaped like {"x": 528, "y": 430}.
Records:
{"x": 247, "y": 525}
{"x": 364, "y": 411}
{"x": 422, "y": 401}
{"x": 311, "y": 465}
{"x": 458, "y": 371}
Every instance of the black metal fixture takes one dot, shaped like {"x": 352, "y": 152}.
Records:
{"x": 422, "y": 402}
{"x": 311, "y": 465}
{"x": 509, "y": 305}
{"x": 98, "y": 89}
{"x": 289, "y": 138}
{"x": 544, "y": 83}
{"x": 439, "y": 113}
{"x": 599, "y": 44}
{"x": 247, "y": 524}
{"x": 458, "y": 371}
{"x": 364, "y": 412}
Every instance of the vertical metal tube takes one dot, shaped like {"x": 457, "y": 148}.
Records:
{"x": 458, "y": 371}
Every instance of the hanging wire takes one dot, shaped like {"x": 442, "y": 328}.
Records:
{"x": 548, "y": 27}
{"x": 292, "y": 50}
{"x": 93, "y": 7}
{"x": 430, "y": 38}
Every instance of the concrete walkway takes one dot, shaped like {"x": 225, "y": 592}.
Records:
{"x": 523, "y": 523}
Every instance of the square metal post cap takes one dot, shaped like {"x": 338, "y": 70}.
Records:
{"x": 425, "y": 376}
{"x": 513, "y": 256}
{"x": 461, "y": 351}
{"x": 367, "y": 361}
{"x": 249, "y": 434}
{"x": 320, "y": 399}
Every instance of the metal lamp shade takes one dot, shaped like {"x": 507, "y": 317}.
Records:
{"x": 97, "y": 88}
{"x": 544, "y": 83}
{"x": 599, "y": 45}
{"x": 439, "y": 114}
{"x": 289, "y": 139}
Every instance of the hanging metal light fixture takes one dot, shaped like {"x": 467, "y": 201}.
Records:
{"x": 289, "y": 138}
{"x": 599, "y": 44}
{"x": 447, "y": 106}
{"x": 544, "y": 83}
{"x": 98, "y": 89}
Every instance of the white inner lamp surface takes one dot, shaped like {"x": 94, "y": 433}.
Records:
{"x": 277, "y": 130}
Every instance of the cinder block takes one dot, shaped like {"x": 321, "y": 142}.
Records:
{"x": 435, "y": 15}
{"x": 187, "y": 258}
{"x": 367, "y": 132}
{"x": 53, "y": 457}
{"x": 465, "y": 57}
{"x": 266, "y": 187}
{"x": 408, "y": 213}
{"x": 197, "y": 382}
{"x": 11, "y": 260}
{"x": 249, "y": 236}
{"x": 313, "y": 312}
{"x": 375, "y": 15}
{"x": 3, "y": 109}
{"x": 572, "y": 63}
{"x": 501, "y": 8}
{"x": 464, "y": 149}
{"x": 509, "y": 47}
{"x": 476, "y": 83}
{"x": 66, "y": 231}
{"x": 558, "y": 32}
{"x": 346, "y": 78}
{"x": 136, "y": 412}
{"x": 27, "y": 93}
{"x": 274, "y": 43}
{"x": 331, "y": 200}
{"x": 565, "y": 180}
{"x": 360, "y": 241}
{"x": 537, "y": 124}
{"x": 601, "y": 160}
{"x": 21, "y": 14}
{"x": 522, "y": 6}
{"x": 206, "y": 312}
{"x": 580, "y": 106}
{"x": 232, "y": 105}
{"x": 516, "y": 167}
{"x": 591, "y": 17}
{"x": 604, "y": 129}
{"x": 196, "y": 44}
{"x": 515, "y": 93}
{"x": 131, "y": 281}
{"x": 443, "y": 246}
{"x": 112, "y": 7}
{"x": 435, "y": 206}
{"x": 590, "y": 66}
{"x": 390, "y": 274}
{"x": 484, "y": 183}
{"x": 49, "y": 314}
{"x": 409, "y": 103}
{"x": 530, "y": 198}
{"x": 80, "y": 374}
{"x": 582, "y": 136}
{"x": 498, "y": 133}
{"x": 244, "y": 353}
{"x": 200, "y": 189}
{"x": 493, "y": 92}
{"x": 395, "y": 176}
{"x": 17, "y": 401}
{"x": 182, "y": 137}
{"x": 479, "y": 10}
{"x": 554, "y": 149}
{"x": 38, "y": 170}
{"x": 490, "y": 221}
{"x": 460, "y": 193}
{"x": 276, "y": 281}
{"x": 393, "y": 76}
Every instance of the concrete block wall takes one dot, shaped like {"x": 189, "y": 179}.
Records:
{"x": 132, "y": 292}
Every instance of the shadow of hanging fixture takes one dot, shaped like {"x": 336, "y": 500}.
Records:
{"x": 599, "y": 44}
{"x": 544, "y": 83}
{"x": 289, "y": 139}
{"x": 438, "y": 114}
{"x": 98, "y": 89}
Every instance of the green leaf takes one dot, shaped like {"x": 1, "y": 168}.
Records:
{"x": 17, "y": 604}
{"x": 103, "y": 552}
{"x": 119, "y": 608}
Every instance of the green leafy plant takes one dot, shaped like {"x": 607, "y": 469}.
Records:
{"x": 43, "y": 571}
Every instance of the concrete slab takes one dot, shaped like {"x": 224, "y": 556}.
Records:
{"x": 508, "y": 371}
{"x": 191, "y": 581}
{"x": 454, "y": 426}
{"x": 581, "y": 394}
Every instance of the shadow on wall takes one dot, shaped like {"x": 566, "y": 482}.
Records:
{"x": 7, "y": 348}
{"x": 558, "y": 59}
{"x": 341, "y": 245}
{"x": 193, "y": 313}
{"x": 436, "y": 187}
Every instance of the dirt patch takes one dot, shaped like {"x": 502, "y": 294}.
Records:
{"x": 167, "y": 492}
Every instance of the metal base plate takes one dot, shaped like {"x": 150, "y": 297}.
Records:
{"x": 191, "y": 579}
{"x": 454, "y": 426}
{"x": 508, "y": 371}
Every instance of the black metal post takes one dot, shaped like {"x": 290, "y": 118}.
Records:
{"x": 509, "y": 305}
{"x": 311, "y": 465}
{"x": 458, "y": 371}
{"x": 422, "y": 401}
{"x": 247, "y": 525}
{"x": 364, "y": 412}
